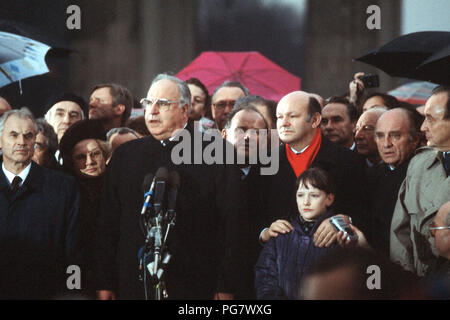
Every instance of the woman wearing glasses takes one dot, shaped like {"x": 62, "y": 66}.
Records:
{"x": 84, "y": 152}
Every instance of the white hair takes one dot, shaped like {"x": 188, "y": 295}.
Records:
{"x": 22, "y": 113}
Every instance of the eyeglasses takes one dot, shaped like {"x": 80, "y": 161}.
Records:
{"x": 223, "y": 104}
{"x": 432, "y": 228}
{"x": 39, "y": 146}
{"x": 161, "y": 104}
{"x": 96, "y": 154}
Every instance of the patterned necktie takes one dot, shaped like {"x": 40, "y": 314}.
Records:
{"x": 15, "y": 184}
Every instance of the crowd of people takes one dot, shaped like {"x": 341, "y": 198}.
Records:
{"x": 71, "y": 193}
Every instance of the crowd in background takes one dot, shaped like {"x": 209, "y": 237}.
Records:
{"x": 380, "y": 164}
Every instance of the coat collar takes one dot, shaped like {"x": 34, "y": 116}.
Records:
{"x": 438, "y": 157}
{"x": 35, "y": 177}
{"x": 31, "y": 184}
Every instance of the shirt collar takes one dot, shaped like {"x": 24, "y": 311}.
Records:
{"x": 163, "y": 142}
{"x": 298, "y": 152}
{"x": 23, "y": 174}
{"x": 245, "y": 170}
{"x": 353, "y": 146}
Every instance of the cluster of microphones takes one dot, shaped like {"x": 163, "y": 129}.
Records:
{"x": 158, "y": 217}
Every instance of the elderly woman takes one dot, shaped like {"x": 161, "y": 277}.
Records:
{"x": 84, "y": 152}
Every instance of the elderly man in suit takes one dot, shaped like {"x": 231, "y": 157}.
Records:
{"x": 204, "y": 241}
{"x": 40, "y": 226}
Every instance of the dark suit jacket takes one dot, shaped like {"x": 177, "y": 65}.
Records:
{"x": 251, "y": 221}
{"x": 384, "y": 185}
{"x": 345, "y": 170}
{"x": 204, "y": 240}
{"x": 40, "y": 234}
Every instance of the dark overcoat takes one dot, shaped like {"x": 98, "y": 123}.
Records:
{"x": 344, "y": 169}
{"x": 40, "y": 235}
{"x": 204, "y": 241}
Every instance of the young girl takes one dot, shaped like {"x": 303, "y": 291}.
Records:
{"x": 286, "y": 258}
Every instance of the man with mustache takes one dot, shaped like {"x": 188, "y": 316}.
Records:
{"x": 40, "y": 227}
{"x": 304, "y": 146}
{"x": 204, "y": 241}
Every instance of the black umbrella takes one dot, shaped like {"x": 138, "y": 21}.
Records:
{"x": 402, "y": 56}
{"x": 437, "y": 67}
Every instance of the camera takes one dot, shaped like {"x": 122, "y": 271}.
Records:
{"x": 370, "y": 80}
{"x": 341, "y": 225}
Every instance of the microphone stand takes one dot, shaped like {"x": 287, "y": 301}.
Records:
{"x": 155, "y": 256}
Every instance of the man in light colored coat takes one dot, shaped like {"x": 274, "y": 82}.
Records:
{"x": 425, "y": 189}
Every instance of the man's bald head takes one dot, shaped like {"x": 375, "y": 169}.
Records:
{"x": 318, "y": 98}
{"x": 298, "y": 118}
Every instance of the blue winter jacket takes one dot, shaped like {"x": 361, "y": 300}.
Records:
{"x": 285, "y": 260}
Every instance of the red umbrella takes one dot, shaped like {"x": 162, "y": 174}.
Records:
{"x": 260, "y": 75}
{"x": 416, "y": 92}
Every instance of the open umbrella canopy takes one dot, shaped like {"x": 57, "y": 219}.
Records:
{"x": 260, "y": 75}
{"x": 437, "y": 66}
{"x": 20, "y": 58}
{"x": 416, "y": 92}
{"x": 403, "y": 56}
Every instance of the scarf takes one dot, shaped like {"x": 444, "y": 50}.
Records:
{"x": 301, "y": 162}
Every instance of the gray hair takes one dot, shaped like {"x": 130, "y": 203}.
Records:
{"x": 22, "y": 113}
{"x": 185, "y": 93}
{"x": 50, "y": 136}
{"x": 120, "y": 130}
{"x": 49, "y": 114}
{"x": 231, "y": 84}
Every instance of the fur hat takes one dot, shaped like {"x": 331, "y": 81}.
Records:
{"x": 81, "y": 130}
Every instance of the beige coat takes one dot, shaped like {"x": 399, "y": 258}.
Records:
{"x": 425, "y": 189}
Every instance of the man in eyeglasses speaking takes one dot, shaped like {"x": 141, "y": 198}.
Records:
{"x": 203, "y": 242}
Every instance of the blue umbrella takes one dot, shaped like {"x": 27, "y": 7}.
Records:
{"x": 20, "y": 58}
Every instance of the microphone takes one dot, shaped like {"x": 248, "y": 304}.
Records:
{"x": 155, "y": 232}
{"x": 159, "y": 195}
{"x": 174, "y": 182}
{"x": 161, "y": 174}
{"x": 147, "y": 185}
